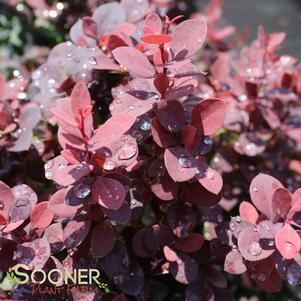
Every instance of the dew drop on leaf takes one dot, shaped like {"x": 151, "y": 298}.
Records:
{"x": 208, "y": 140}
{"x": 127, "y": 151}
{"x": 294, "y": 275}
{"x": 254, "y": 248}
{"x": 82, "y": 190}
{"x": 48, "y": 174}
{"x": 22, "y": 202}
{"x": 109, "y": 165}
{"x": 184, "y": 162}
{"x": 145, "y": 126}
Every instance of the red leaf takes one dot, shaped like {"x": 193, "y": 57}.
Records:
{"x": 90, "y": 27}
{"x": 288, "y": 242}
{"x": 189, "y": 244}
{"x": 281, "y": 203}
{"x": 156, "y": 39}
{"x": 248, "y": 212}
{"x": 161, "y": 136}
{"x": 108, "y": 192}
{"x": 134, "y": 61}
{"x": 208, "y": 115}
{"x": 171, "y": 115}
{"x": 188, "y": 135}
{"x": 161, "y": 83}
{"x": 199, "y": 195}
{"x": 102, "y": 240}
{"x": 41, "y": 216}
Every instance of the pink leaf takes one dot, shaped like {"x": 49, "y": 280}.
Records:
{"x": 41, "y": 216}
{"x": 152, "y": 24}
{"x": 234, "y": 263}
{"x": 116, "y": 126}
{"x": 208, "y": 115}
{"x": 248, "y": 212}
{"x": 288, "y": 242}
{"x": 59, "y": 208}
{"x": 6, "y": 200}
{"x": 209, "y": 178}
{"x": 185, "y": 45}
{"x": 76, "y": 231}
{"x": 261, "y": 190}
{"x": 71, "y": 173}
{"x": 179, "y": 164}
{"x": 108, "y": 192}
{"x": 134, "y": 61}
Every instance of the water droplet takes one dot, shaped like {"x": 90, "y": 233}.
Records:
{"x": 109, "y": 165}
{"x": 131, "y": 107}
{"x": 92, "y": 60}
{"x": 21, "y": 202}
{"x": 271, "y": 243}
{"x": 127, "y": 151}
{"x": 251, "y": 149}
{"x": 233, "y": 226}
{"x": 133, "y": 202}
{"x": 18, "y": 254}
{"x": 208, "y": 140}
{"x": 69, "y": 55}
{"x": 61, "y": 166}
{"x": 210, "y": 174}
{"x": 293, "y": 275}
{"x": 185, "y": 162}
{"x": 48, "y": 174}
{"x": 254, "y": 248}
{"x": 145, "y": 126}
{"x": 82, "y": 190}
{"x": 49, "y": 164}
{"x": 1, "y": 205}
{"x": 255, "y": 189}
{"x": 242, "y": 98}
{"x": 172, "y": 128}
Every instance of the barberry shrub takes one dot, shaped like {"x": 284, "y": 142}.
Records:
{"x": 133, "y": 148}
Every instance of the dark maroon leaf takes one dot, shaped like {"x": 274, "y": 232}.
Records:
{"x": 76, "y": 231}
{"x": 102, "y": 240}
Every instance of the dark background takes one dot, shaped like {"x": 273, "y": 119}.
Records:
{"x": 274, "y": 15}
